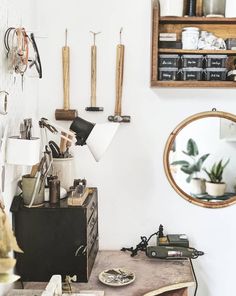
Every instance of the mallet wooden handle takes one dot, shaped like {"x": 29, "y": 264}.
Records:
{"x": 120, "y": 51}
{"x": 93, "y": 75}
{"x": 66, "y": 76}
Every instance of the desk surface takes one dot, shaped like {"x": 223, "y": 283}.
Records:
{"x": 151, "y": 274}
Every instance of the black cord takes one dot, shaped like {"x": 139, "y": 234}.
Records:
{"x": 38, "y": 64}
{"x": 142, "y": 246}
{"x": 194, "y": 276}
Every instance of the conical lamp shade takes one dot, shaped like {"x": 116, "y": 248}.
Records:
{"x": 100, "y": 138}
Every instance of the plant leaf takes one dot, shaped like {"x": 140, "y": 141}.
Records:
{"x": 201, "y": 161}
{"x": 188, "y": 180}
{"x": 181, "y": 162}
{"x": 192, "y": 148}
{"x": 189, "y": 169}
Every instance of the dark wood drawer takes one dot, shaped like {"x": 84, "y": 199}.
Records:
{"x": 56, "y": 240}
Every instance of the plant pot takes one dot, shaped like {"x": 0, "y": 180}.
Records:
{"x": 171, "y": 7}
{"x": 215, "y": 189}
{"x": 198, "y": 186}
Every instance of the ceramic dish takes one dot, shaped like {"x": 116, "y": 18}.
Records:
{"x": 116, "y": 277}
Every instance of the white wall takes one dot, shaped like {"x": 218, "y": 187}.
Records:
{"x": 134, "y": 194}
{"x": 21, "y": 104}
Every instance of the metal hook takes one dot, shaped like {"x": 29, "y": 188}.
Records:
{"x": 66, "y": 36}
{"x": 214, "y": 109}
{"x": 94, "y": 36}
{"x": 121, "y": 30}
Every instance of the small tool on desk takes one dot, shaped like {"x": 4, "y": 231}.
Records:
{"x": 93, "y": 106}
{"x": 173, "y": 246}
{"x": 78, "y": 193}
{"x": 120, "y": 52}
{"x": 66, "y": 113}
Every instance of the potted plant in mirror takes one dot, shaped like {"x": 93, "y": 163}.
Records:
{"x": 215, "y": 187}
{"x": 193, "y": 168}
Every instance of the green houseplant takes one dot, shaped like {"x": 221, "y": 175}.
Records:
{"x": 215, "y": 187}
{"x": 193, "y": 167}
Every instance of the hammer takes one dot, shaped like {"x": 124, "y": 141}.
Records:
{"x": 93, "y": 106}
{"x": 66, "y": 113}
{"x": 120, "y": 52}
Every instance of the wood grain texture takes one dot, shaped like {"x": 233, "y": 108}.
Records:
{"x": 93, "y": 75}
{"x": 186, "y": 51}
{"x": 120, "y": 54}
{"x": 155, "y": 28}
{"x": 193, "y": 83}
{"x": 62, "y": 114}
{"x": 194, "y": 19}
{"x": 66, "y": 76}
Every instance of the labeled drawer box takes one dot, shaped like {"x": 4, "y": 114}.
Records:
{"x": 168, "y": 60}
{"x": 56, "y": 240}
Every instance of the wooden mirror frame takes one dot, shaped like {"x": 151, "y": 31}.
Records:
{"x": 167, "y": 150}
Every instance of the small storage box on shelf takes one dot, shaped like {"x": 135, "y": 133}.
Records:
{"x": 221, "y": 27}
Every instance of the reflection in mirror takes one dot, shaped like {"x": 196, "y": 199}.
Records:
{"x": 200, "y": 160}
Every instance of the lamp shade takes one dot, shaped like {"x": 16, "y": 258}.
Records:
{"x": 96, "y": 136}
{"x": 100, "y": 138}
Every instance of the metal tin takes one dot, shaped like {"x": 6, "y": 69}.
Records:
{"x": 168, "y": 73}
{"x": 191, "y": 73}
{"x": 192, "y": 61}
{"x": 216, "y": 61}
{"x": 217, "y": 74}
{"x": 168, "y": 60}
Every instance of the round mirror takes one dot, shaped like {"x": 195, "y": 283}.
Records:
{"x": 199, "y": 159}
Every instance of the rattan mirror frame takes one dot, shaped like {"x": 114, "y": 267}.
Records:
{"x": 169, "y": 143}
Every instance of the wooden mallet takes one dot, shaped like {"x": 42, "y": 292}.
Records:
{"x": 66, "y": 113}
{"x": 120, "y": 53}
{"x": 93, "y": 106}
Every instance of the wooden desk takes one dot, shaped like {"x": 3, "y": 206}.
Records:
{"x": 151, "y": 275}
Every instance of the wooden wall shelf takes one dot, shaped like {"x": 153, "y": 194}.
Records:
{"x": 185, "y": 51}
{"x": 197, "y": 19}
{"x": 188, "y": 84}
{"x": 221, "y": 27}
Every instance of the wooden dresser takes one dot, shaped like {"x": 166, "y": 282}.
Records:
{"x": 56, "y": 239}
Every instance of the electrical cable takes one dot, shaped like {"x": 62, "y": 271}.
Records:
{"x": 194, "y": 276}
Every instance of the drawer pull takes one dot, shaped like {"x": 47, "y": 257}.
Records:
{"x": 81, "y": 250}
{"x": 93, "y": 206}
{"x": 93, "y": 222}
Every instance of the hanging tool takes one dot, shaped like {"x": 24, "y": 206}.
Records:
{"x": 93, "y": 106}
{"x": 120, "y": 52}
{"x": 66, "y": 113}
